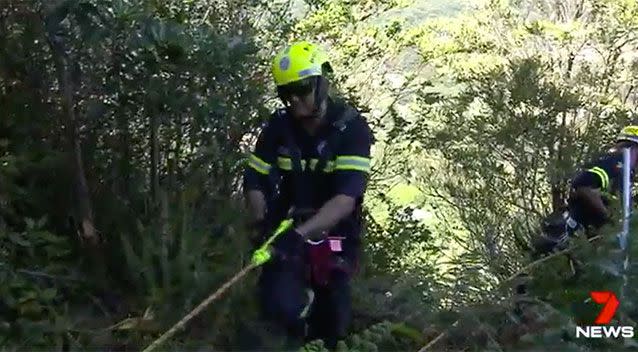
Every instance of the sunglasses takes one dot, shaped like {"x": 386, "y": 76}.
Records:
{"x": 298, "y": 89}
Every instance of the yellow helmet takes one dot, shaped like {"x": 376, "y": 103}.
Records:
{"x": 628, "y": 133}
{"x": 298, "y": 61}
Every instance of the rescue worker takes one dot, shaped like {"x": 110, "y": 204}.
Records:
{"x": 587, "y": 206}
{"x": 311, "y": 162}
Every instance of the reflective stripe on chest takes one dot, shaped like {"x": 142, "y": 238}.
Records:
{"x": 285, "y": 163}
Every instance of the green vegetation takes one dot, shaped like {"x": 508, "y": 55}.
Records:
{"x": 123, "y": 130}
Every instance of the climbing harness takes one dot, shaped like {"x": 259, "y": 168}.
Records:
{"x": 303, "y": 170}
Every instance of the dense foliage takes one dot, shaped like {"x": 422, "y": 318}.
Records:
{"x": 123, "y": 130}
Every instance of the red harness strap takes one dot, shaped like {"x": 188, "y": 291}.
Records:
{"x": 323, "y": 259}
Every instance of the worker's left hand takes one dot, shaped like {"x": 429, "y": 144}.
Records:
{"x": 292, "y": 242}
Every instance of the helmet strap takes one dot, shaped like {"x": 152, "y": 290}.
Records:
{"x": 321, "y": 92}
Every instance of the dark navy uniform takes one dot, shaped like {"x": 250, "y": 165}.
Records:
{"x": 604, "y": 174}
{"x": 294, "y": 168}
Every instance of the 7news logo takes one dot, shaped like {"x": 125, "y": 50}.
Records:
{"x": 610, "y": 303}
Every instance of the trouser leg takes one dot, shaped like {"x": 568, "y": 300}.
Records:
{"x": 283, "y": 297}
{"x": 332, "y": 311}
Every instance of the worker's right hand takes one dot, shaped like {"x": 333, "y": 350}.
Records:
{"x": 292, "y": 243}
{"x": 261, "y": 256}
{"x": 268, "y": 253}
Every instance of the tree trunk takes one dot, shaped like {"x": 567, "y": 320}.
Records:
{"x": 84, "y": 209}
{"x": 154, "y": 158}
{"x": 159, "y": 196}
{"x": 558, "y": 199}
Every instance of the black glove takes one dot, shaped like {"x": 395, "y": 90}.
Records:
{"x": 289, "y": 244}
